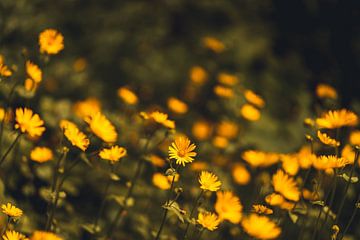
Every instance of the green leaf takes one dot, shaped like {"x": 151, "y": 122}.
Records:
{"x": 320, "y": 203}
{"x": 354, "y": 179}
{"x": 114, "y": 177}
{"x": 90, "y": 228}
{"x": 174, "y": 207}
{"x": 293, "y": 217}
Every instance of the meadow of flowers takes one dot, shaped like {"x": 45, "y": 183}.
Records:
{"x": 121, "y": 166}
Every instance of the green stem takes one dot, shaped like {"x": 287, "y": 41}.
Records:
{"x": 10, "y": 148}
{"x": 351, "y": 219}
{"x": 320, "y": 210}
{"x": 201, "y": 233}
{"x": 192, "y": 212}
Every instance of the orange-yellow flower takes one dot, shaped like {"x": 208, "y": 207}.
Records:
{"x": 227, "y": 129}
{"x": 127, "y": 96}
{"x": 74, "y": 135}
{"x": 87, "y": 107}
{"x": 227, "y": 79}
{"x": 355, "y": 138}
{"x": 161, "y": 181}
{"x": 261, "y": 209}
{"x": 41, "y": 154}
{"x": 160, "y": 118}
{"x": 331, "y": 161}
{"x": 260, "y": 227}
{"x": 224, "y": 92}
{"x": 177, "y": 106}
{"x": 209, "y": 181}
{"x": 182, "y": 151}
{"x": 290, "y": 163}
{"x": 250, "y": 113}
{"x": 51, "y": 41}
{"x": 254, "y": 99}
{"x": 34, "y": 72}
{"x": 228, "y": 207}
{"x": 13, "y": 235}
{"x": 198, "y": 75}
{"x": 113, "y": 154}
{"x": 156, "y": 160}
{"x": 4, "y": 70}
{"x": 286, "y": 186}
{"x": 102, "y": 127}
{"x": 207, "y": 220}
{"x": 201, "y": 130}
{"x": 28, "y": 122}
{"x": 274, "y": 199}
{"x": 325, "y": 139}
{"x": 213, "y": 44}
{"x": 259, "y": 158}
{"x": 326, "y": 91}
{"x": 11, "y": 210}
{"x": 240, "y": 174}
{"x": 337, "y": 119}
{"x": 41, "y": 235}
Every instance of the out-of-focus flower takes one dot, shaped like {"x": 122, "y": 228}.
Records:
{"x": 349, "y": 154}
{"x": 240, "y": 174}
{"x": 261, "y": 209}
{"x": 160, "y": 118}
{"x": 290, "y": 163}
{"x": 259, "y": 158}
{"x": 325, "y": 91}
{"x": 86, "y": 108}
{"x": 213, "y": 44}
{"x": 254, "y": 99}
{"x": 113, "y": 154}
{"x": 260, "y": 227}
{"x": 161, "y": 181}
{"x": 227, "y": 129}
{"x": 355, "y": 138}
{"x": 51, "y": 41}
{"x": 209, "y": 181}
{"x": 13, "y": 235}
{"x": 250, "y": 113}
{"x": 102, "y": 127}
{"x": 198, "y": 75}
{"x": 274, "y": 199}
{"x": 286, "y": 186}
{"x": 201, "y": 130}
{"x": 305, "y": 157}
{"x": 28, "y": 122}
{"x": 127, "y": 96}
{"x": 80, "y": 64}
{"x": 182, "y": 151}
{"x": 224, "y": 92}
{"x": 331, "y": 161}
{"x": 207, "y": 220}
{"x": 156, "y": 160}
{"x": 11, "y": 210}
{"x": 228, "y": 207}
{"x": 7, "y": 114}
{"x": 199, "y": 166}
{"x": 312, "y": 196}
{"x": 74, "y": 135}
{"x": 41, "y": 154}
{"x": 227, "y": 79}
{"x": 325, "y": 139}
{"x": 177, "y": 106}
{"x": 220, "y": 142}
{"x": 41, "y": 235}
{"x": 336, "y": 231}
{"x": 30, "y": 85}
{"x": 337, "y": 119}
{"x": 33, "y": 71}
{"x": 4, "y": 70}
{"x": 309, "y": 122}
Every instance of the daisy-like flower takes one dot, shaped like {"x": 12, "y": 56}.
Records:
{"x": 74, "y": 135}
{"x": 11, "y": 210}
{"x": 13, "y": 235}
{"x": 28, "y": 122}
{"x": 4, "y": 70}
{"x": 224, "y": 92}
{"x": 198, "y": 75}
{"x": 113, "y": 154}
{"x": 127, "y": 96}
{"x": 33, "y": 71}
{"x": 227, "y": 79}
{"x": 213, "y": 44}
{"x": 41, "y": 235}
{"x": 274, "y": 199}
{"x": 87, "y": 107}
{"x": 261, "y": 209}
{"x": 160, "y": 118}
{"x": 260, "y": 227}
{"x": 240, "y": 174}
{"x": 337, "y": 119}
{"x": 51, "y": 41}
{"x": 250, "y": 112}
{"x": 207, "y": 220}
{"x": 177, "y": 106}
{"x": 286, "y": 186}
{"x": 254, "y": 99}
{"x": 102, "y": 127}
{"x": 182, "y": 151}
{"x": 331, "y": 161}
{"x": 41, "y": 154}
{"x": 209, "y": 181}
{"x": 161, "y": 181}
{"x": 325, "y": 139}
{"x": 259, "y": 158}
{"x": 355, "y": 138}
{"x": 326, "y": 91}
{"x": 228, "y": 207}
{"x": 227, "y": 129}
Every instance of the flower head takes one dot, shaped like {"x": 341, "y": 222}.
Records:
{"x": 41, "y": 154}
{"x": 325, "y": 139}
{"x": 13, "y": 235}
{"x": 182, "y": 151}
{"x": 260, "y": 227}
{"x": 29, "y": 122}
{"x": 198, "y": 75}
{"x": 41, "y": 235}
{"x": 325, "y": 162}
{"x": 4, "y": 70}
{"x": 228, "y": 207}
{"x": 355, "y": 138}
{"x": 259, "y": 158}
{"x": 213, "y": 44}
{"x": 51, "y": 41}
{"x": 127, "y": 96}
{"x": 207, "y": 220}
{"x": 326, "y": 91}
{"x": 337, "y": 119}
{"x": 209, "y": 181}
{"x": 74, "y": 135}
{"x": 227, "y": 129}
{"x": 87, "y": 107}
{"x": 254, "y": 99}
{"x": 102, "y": 127}
{"x": 261, "y": 209}
{"x": 285, "y": 185}
{"x": 224, "y": 92}
{"x": 33, "y": 71}
{"x": 227, "y": 79}
{"x": 240, "y": 174}
{"x": 160, "y": 118}
{"x": 250, "y": 113}
{"x": 11, "y": 210}
{"x": 201, "y": 130}
{"x": 113, "y": 154}
{"x": 177, "y": 106}
{"x": 161, "y": 181}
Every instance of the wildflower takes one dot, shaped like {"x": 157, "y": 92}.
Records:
{"x": 177, "y": 106}
{"x": 337, "y": 119}
{"x": 182, "y": 151}
{"x": 30, "y": 85}
{"x": 74, "y": 135}
{"x": 41, "y": 235}
{"x": 312, "y": 196}
{"x": 127, "y": 96}
{"x": 4, "y": 70}
{"x": 274, "y": 199}
{"x": 227, "y": 79}
{"x": 160, "y": 118}
{"x": 254, "y": 99}
{"x": 102, "y": 127}
{"x": 305, "y": 157}
{"x": 207, "y": 220}
{"x": 156, "y": 160}
{"x": 41, "y": 154}
{"x": 224, "y": 92}
{"x": 308, "y": 122}
{"x": 227, "y": 129}
{"x": 259, "y": 158}
{"x": 331, "y": 161}
{"x": 250, "y": 113}
{"x": 220, "y": 142}
{"x": 5, "y": 115}
{"x": 209, "y": 181}
{"x": 348, "y": 153}
{"x": 33, "y": 71}
{"x": 198, "y": 75}
{"x": 11, "y": 210}
{"x": 51, "y": 41}
{"x": 325, "y": 91}
{"x": 261, "y": 209}
{"x": 13, "y": 235}
{"x": 290, "y": 163}
{"x": 113, "y": 154}
{"x": 355, "y": 138}
{"x": 86, "y": 108}
{"x": 228, "y": 207}
{"x": 286, "y": 186}
{"x": 260, "y": 227}
{"x": 161, "y": 181}
{"x": 201, "y": 130}
{"x": 29, "y": 122}
{"x": 240, "y": 174}
{"x": 336, "y": 230}
{"x": 325, "y": 139}
{"x": 199, "y": 166}
{"x": 213, "y": 44}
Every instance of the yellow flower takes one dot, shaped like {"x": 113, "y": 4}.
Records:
{"x": 161, "y": 181}
{"x": 337, "y": 119}
{"x": 13, "y": 235}
{"x": 224, "y": 92}
{"x": 177, "y": 106}
{"x": 201, "y": 130}
{"x": 274, "y": 199}
{"x": 227, "y": 129}
{"x": 29, "y": 122}
{"x": 355, "y": 138}
{"x": 325, "y": 139}
{"x": 11, "y": 210}
{"x": 305, "y": 157}
{"x": 41, "y": 235}
{"x": 113, "y": 154}
{"x": 228, "y": 207}
{"x": 182, "y": 151}
{"x": 254, "y": 99}
{"x": 213, "y": 44}
{"x": 51, "y": 41}
{"x": 220, "y": 142}
{"x": 87, "y": 107}
{"x": 41, "y": 154}
{"x": 199, "y": 166}
{"x": 74, "y": 135}
{"x": 160, "y": 118}
{"x": 7, "y": 114}
{"x": 227, "y": 79}
{"x": 30, "y": 85}
{"x": 209, "y": 181}
{"x": 198, "y": 75}
{"x": 325, "y": 91}
{"x": 259, "y": 158}
{"x": 349, "y": 154}
{"x": 261, "y": 209}
{"x": 240, "y": 174}
{"x": 207, "y": 220}
{"x": 250, "y": 113}
{"x": 308, "y": 122}
{"x": 127, "y": 96}
{"x": 33, "y": 71}
{"x": 327, "y": 162}
{"x": 4, "y": 70}
{"x": 102, "y": 127}
{"x": 290, "y": 163}
{"x": 286, "y": 186}
{"x": 260, "y": 227}
{"x": 156, "y": 160}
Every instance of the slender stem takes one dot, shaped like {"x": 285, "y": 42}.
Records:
{"x": 6, "y": 226}
{"x": 201, "y": 233}
{"x": 320, "y": 210}
{"x": 192, "y": 212}
{"x": 10, "y": 148}
{"x": 351, "y": 219}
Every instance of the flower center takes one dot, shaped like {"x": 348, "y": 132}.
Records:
{"x": 181, "y": 153}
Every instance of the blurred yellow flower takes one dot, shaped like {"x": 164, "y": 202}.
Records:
{"x": 87, "y": 107}
{"x": 11, "y": 210}
{"x": 250, "y": 113}
{"x": 29, "y": 122}
{"x": 312, "y": 196}
{"x": 74, "y": 135}
{"x": 161, "y": 181}
{"x": 160, "y": 118}
{"x": 209, "y": 181}
{"x": 177, "y": 106}
{"x": 207, "y": 220}
{"x": 355, "y": 138}
{"x": 227, "y": 79}
{"x": 305, "y": 157}
{"x": 51, "y": 41}
{"x": 227, "y": 129}
{"x": 201, "y": 130}
{"x": 325, "y": 139}
{"x": 102, "y": 127}
{"x": 182, "y": 151}
{"x": 240, "y": 174}
{"x": 259, "y": 158}
{"x": 7, "y": 114}
{"x": 33, "y": 71}
{"x": 228, "y": 207}
{"x": 274, "y": 199}
{"x": 309, "y": 122}
{"x": 113, "y": 154}
{"x": 254, "y": 99}
{"x": 41, "y": 154}
{"x": 325, "y": 91}
{"x": 220, "y": 142}
{"x": 41, "y": 235}
{"x": 13, "y": 235}
{"x": 286, "y": 186}
{"x": 156, "y": 160}
{"x": 30, "y": 85}
{"x": 349, "y": 154}
{"x": 213, "y": 44}
{"x": 261, "y": 209}
{"x": 127, "y": 96}
{"x": 337, "y": 119}
{"x": 290, "y": 163}
{"x": 198, "y": 75}
{"x": 325, "y": 162}
{"x": 260, "y": 227}
{"x": 224, "y": 92}
{"x": 4, "y": 70}
{"x": 199, "y": 166}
